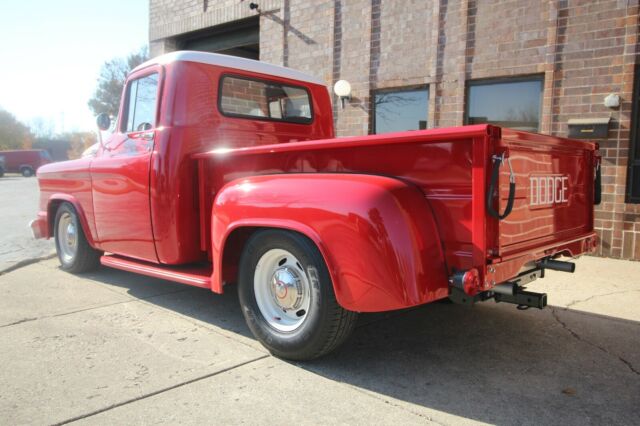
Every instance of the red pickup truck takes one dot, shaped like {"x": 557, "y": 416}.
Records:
{"x": 226, "y": 170}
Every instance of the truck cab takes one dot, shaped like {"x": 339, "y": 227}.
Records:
{"x": 226, "y": 170}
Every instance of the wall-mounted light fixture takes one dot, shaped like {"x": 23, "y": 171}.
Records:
{"x": 252, "y": 6}
{"x": 612, "y": 100}
{"x": 342, "y": 89}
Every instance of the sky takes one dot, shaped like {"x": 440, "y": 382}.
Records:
{"x": 51, "y": 53}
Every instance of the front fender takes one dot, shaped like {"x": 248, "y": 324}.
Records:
{"x": 52, "y": 203}
{"x": 377, "y": 234}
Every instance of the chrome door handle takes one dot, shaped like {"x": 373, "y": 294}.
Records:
{"x": 147, "y": 135}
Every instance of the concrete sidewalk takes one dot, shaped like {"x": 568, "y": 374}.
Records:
{"x": 115, "y": 348}
{"x": 20, "y": 205}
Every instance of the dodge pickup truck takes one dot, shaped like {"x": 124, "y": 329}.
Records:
{"x": 225, "y": 170}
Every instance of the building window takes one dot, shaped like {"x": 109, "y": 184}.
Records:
{"x": 142, "y": 95}
{"x": 513, "y": 102}
{"x": 633, "y": 173}
{"x": 258, "y": 99}
{"x": 399, "y": 110}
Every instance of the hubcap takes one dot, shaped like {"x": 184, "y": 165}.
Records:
{"x": 282, "y": 290}
{"x": 67, "y": 237}
{"x": 286, "y": 289}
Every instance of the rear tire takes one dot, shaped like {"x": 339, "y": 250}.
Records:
{"x": 287, "y": 297}
{"x": 27, "y": 171}
{"x": 74, "y": 252}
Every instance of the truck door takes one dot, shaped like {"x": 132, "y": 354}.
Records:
{"x": 120, "y": 173}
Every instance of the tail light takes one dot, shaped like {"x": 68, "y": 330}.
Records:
{"x": 467, "y": 281}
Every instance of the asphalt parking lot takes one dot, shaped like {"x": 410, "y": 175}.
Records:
{"x": 112, "y": 347}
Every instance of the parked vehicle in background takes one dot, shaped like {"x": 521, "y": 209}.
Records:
{"x": 25, "y": 161}
{"x": 1, "y": 165}
{"x": 226, "y": 170}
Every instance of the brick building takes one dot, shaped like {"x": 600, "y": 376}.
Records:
{"x": 531, "y": 64}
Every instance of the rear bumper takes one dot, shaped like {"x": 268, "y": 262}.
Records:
{"x": 39, "y": 228}
{"x": 501, "y": 269}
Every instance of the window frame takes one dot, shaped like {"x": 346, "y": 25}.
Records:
{"x": 498, "y": 80}
{"x": 412, "y": 88}
{"x": 124, "y": 109}
{"x": 634, "y": 144}
{"x": 305, "y": 122}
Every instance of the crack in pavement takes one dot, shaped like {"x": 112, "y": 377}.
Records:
{"x": 157, "y": 392}
{"x": 187, "y": 288}
{"x": 11, "y": 250}
{"x": 18, "y": 322}
{"x": 564, "y": 325}
{"x": 575, "y": 302}
{"x": 26, "y": 262}
{"x": 140, "y": 299}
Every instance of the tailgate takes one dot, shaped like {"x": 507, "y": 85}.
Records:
{"x": 554, "y": 193}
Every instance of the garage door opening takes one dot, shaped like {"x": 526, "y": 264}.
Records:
{"x": 240, "y": 38}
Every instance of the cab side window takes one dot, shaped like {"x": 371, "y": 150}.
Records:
{"x": 142, "y": 96}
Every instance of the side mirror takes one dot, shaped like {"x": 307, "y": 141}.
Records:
{"x": 103, "y": 121}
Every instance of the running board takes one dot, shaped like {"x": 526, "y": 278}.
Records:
{"x": 195, "y": 275}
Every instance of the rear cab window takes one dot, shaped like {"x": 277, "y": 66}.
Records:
{"x": 264, "y": 100}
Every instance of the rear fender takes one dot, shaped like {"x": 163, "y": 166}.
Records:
{"x": 52, "y": 205}
{"x": 377, "y": 234}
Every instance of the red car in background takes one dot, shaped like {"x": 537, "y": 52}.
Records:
{"x": 24, "y": 161}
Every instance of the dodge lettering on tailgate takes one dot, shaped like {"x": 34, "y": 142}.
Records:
{"x": 548, "y": 190}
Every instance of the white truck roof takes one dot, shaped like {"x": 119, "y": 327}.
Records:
{"x": 228, "y": 61}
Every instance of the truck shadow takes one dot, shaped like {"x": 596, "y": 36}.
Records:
{"x": 490, "y": 363}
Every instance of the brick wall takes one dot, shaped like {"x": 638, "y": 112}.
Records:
{"x": 584, "y": 49}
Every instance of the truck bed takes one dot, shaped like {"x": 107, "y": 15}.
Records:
{"x": 452, "y": 167}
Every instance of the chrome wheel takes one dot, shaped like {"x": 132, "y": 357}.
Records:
{"x": 67, "y": 237}
{"x": 282, "y": 290}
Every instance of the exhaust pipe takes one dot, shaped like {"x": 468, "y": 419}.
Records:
{"x": 557, "y": 265}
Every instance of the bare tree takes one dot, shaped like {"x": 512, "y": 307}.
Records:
{"x": 383, "y": 100}
{"x": 524, "y": 117}
{"x": 41, "y": 128}
{"x": 111, "y": 81}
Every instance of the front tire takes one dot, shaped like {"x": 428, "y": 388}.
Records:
{"x": 27, "y": 171}
{"x": 287, "y": 297}
{"x": 74, "y": 252}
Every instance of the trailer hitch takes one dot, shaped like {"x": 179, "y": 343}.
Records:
{"x": 498, "y": 160}
{"x": 524, "y": 299}
{"x": 511, "y": 291}
{"x": 505, "y": 293}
